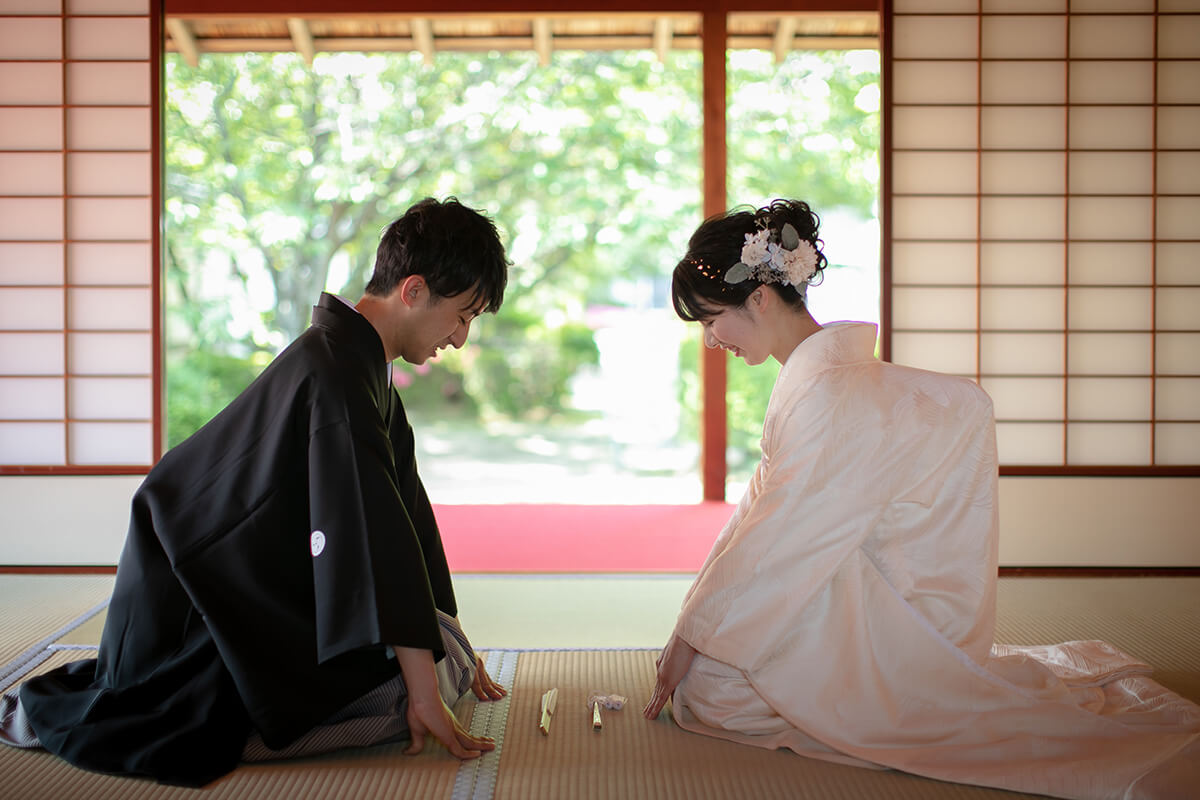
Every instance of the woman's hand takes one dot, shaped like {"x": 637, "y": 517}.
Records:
{"x": 673, "y": 663}
{"x": 483, "y": 686}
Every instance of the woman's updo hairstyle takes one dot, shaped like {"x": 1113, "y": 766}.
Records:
{"x": 698, "y": 286}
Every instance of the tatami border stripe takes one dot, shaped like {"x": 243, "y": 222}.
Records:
{"x": 476, "y": 779}
{"x": 54, "y": 648}
{"x": 12, "y": 672}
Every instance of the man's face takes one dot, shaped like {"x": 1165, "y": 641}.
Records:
{"x": 441, "y": 322}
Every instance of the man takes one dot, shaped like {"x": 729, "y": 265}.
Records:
{"x": 283, "y": 589}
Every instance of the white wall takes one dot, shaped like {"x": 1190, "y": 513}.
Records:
{"x": 1059, "y": 521}
{"x": 64, "y": 519}
{"x": 1084, "y": 521}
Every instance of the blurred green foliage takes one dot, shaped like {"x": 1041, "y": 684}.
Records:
{"x": 525, "y": 368}
{"x": 198, "y": 378}
{"x": 281, "y": 176}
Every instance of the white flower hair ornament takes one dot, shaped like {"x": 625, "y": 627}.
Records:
{"x": 791, "y": 260}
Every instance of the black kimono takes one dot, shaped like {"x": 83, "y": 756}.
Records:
{"x": 272, "y": 560}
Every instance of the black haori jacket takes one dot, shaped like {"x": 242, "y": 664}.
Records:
{"x": 272, "y": 560}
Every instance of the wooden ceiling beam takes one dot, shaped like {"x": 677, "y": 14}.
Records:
{"x": 475, "y": 44}
{"x": 543, "y": 40}
{"x": 302, "y": 38}
{"x": 422, "y": 34}
{"x": 663, "y": 33}
{"x": 185, "y": 42}
{"x": 785, "y": 37}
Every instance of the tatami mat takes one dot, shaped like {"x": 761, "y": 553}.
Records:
{"x": 1152, "y": 618}
{"x": 635, "y": 759}
{"x": 1155, "y": 619}
{"x": 377, "y": 772}
{"x": 380, "y": 772}
{"x": 35, "y": 606}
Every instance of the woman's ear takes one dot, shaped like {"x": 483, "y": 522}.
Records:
{"x": 759, "y": 297}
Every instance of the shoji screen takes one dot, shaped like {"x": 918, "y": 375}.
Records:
{"x": 76, "y": 235}
{"x": 1045, "y": 199}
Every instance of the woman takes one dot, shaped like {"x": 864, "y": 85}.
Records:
{"x": 847, "y": 609}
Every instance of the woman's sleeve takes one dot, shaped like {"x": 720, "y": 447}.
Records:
{"x": 820, "y": 492}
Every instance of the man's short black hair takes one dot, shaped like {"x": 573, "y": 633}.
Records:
{"x": 454, "y": 248}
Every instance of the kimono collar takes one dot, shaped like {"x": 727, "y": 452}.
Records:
{"x": 335, "y": 315}
{"x": 836, "y": 344}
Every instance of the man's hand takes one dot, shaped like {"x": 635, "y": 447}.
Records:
{"x": 427, "y": 712}
{"x": 483, "y": 686}
{"x": 673, "y": 663}
{"x": 435, "y": 718}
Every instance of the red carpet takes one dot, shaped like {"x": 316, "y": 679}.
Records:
{"x": 569, "y": 538}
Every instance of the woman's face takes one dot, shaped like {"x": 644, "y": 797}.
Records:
{"x": 736, "y": 329}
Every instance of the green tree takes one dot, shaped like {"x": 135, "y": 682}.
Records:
{"x": 277, "y": 173}
{"x": 807, "y": 127}
{"x": 280, "y": 177}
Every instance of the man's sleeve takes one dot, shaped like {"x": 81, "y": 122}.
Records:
{"x": 420, "y": 511}
{"x": 370, "y": 580}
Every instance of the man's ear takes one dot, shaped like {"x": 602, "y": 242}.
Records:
{"x": 413, "y": 290}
